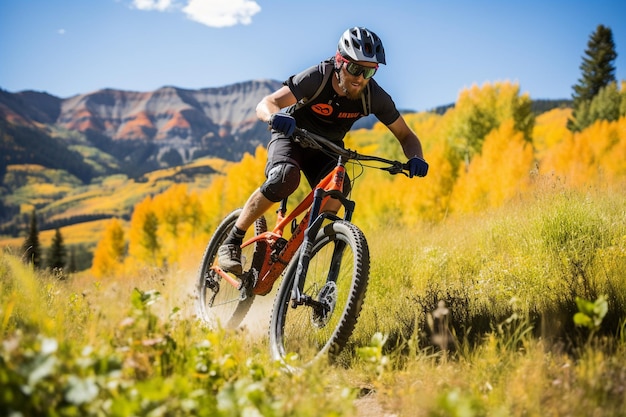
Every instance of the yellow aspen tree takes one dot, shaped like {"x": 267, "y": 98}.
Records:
{"x": 214, "y": 207}
{"x": 379, "y": 201}
{"x": 144, "y": 245}
{"x": 606, "y": 137}
{"x": 191, "y": 236}
{"x": 595, "y": 153}
{"x": 550, "y": 129}
{"x": 166, "y": 207}
{"x": 192, "y": 213}
{"x": 179, "y": 212}
{"x": 593, "y": 156}
{"x": 479, "y": 110}
{"x": 194, "y": 239}
{"x": 501, "y": 172}
{"x": 556, "y": 160}
{"x": 228, "y": 192}
{"x": 614, "y": 160}
{"x": 110, "y": 251}
{"x": 428, "y": 198}
{"x": 244, "y": 177}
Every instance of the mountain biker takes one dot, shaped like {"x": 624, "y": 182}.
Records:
{"x": 328, "y": 110}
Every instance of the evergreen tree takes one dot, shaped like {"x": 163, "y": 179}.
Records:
{"x": 31, "y": 247}
{"x": 622, "y": 99}
{"x": 57, "y": 254}
{"x": 598, "y": 71}
{"x": 71, "y": 263}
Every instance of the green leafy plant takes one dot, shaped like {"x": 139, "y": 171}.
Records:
{"x": 373, "y": 354}
{"x": 591, "y": 313}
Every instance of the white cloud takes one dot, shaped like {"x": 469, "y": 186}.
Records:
{"x": 160, "y": 5}
{"x": 213, "y": 13}
{"x": 221, "y": 13}
{"x": 61, "y": 31}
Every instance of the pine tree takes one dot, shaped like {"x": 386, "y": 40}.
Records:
{"x": 31, "y": 247}
{"x": 71, "y": 263}
{"x": 57, "y": 254}
{"x": 598, "y": 71}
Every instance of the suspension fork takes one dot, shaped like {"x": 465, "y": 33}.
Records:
{"x": 297, "y": 293}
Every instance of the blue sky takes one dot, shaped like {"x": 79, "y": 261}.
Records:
{"x": 434, "y": 48}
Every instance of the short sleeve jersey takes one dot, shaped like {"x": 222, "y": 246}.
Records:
{"x": 329, "y": 114}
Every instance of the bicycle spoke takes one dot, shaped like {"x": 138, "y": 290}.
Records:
{"x": 219, "y": 301}
{"x": 329, "y": 307}
{"x": 306, "y": 332}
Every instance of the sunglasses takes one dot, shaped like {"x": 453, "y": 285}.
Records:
{"x": 356, "y": 69}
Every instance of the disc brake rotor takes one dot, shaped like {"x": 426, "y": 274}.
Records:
{"x": 328, "y": 298}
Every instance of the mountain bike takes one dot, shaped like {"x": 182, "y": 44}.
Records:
{"x": 324, "y": 264}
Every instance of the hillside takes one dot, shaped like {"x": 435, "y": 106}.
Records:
{"x": 94, "y": 156}
{"x": 142, "y": 131}
{"x": 82, "y": 211}
{"x": 60, "y": 153}
{"x": 91, "y": 157}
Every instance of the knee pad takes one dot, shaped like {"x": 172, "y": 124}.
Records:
{"x": 282, "y": 180}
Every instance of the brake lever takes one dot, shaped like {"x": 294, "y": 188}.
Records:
{"x": 397, "y": 168}
{"x": 305, "y": 142}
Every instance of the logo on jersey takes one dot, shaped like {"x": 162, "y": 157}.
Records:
{"x": 322, "y": 109}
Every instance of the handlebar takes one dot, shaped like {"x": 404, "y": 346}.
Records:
{"x": 311, "y": 140}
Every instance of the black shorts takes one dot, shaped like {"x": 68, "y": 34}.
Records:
{"x": 314, "y": 163}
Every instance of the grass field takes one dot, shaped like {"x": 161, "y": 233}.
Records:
{"x": 513, "y": 280}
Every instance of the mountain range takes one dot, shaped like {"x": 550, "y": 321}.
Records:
{"x": 139, "y": 131}
{"x": 109, "y": 132}
{"x": 88, "y": 137}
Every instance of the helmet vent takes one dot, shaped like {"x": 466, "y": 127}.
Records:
{"x": 361, "y": 44}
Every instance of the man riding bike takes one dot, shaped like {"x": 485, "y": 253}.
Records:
{"x": 325, "y": 99}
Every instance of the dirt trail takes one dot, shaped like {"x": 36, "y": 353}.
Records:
{"x": 368, "y": 406}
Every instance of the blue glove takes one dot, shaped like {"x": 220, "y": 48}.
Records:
{"x": 283, "y": 123}
{"x": 417, "y": 167}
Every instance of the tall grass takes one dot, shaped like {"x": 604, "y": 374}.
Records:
{"x": 504, "y": 344}
{"x": 532, "y": 258}
{"x": 510, "y": 280}
{"x": 132, "y": 346}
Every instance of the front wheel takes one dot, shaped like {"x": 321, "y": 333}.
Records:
{"x": 219, "y": 302}
{"x": 337, "y": 281}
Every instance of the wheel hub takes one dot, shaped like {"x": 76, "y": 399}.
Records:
{"x": 327, "y": 298}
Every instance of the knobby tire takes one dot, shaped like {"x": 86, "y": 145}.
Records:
{"x": 229, "y": 307}
{"x": 300, "y": 337}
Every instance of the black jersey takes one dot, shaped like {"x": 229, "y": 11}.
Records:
{"x": 329, "y": 114}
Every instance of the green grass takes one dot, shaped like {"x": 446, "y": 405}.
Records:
{"x": 532, "y": 258}
{"x": 512, "y": 280}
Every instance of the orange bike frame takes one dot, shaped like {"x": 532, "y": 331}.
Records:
{"x": 270, "y": 270}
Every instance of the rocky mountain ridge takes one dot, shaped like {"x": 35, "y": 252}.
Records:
{"x": 165, "y": 127}
{"x": 50, "y": 146}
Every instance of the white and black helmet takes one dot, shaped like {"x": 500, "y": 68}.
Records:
{"x": 361, "y": 44}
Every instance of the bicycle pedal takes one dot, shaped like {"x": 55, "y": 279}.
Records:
{"x": 211, "y": 283}
{"x": 248, "y": 283}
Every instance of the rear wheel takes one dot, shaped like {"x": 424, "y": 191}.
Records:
{"x": 336, "y": 281}
{"x": 219, "y": 302}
